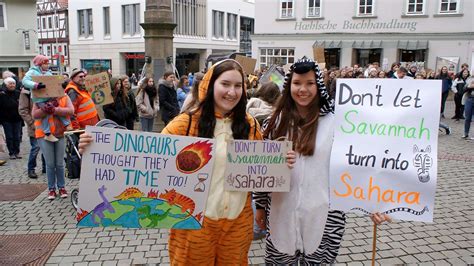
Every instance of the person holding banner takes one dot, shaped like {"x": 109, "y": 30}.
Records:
{"x": 300, "y": 226}
{"x": 85, "y": 112}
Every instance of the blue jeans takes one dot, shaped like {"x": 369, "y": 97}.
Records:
{"x": 33, "y": 154}
{"x": 468, "y": 114}
{"x": 147, "y": 124}
{"x": 13, "y": 136}
{"x": 54, "y": 156}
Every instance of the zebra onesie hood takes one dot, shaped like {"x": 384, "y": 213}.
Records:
{"x": 301, "y": 226}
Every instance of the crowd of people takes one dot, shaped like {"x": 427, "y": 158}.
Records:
{"x": 216, "y": 105}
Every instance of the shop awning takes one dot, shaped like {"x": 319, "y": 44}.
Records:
{"x": 367, "y": 44}
{"x": 412, "y": 45}
{"x": 328, "y": 44}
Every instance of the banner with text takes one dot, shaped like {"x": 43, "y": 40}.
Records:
{"x": 135, "y": 179}
{"x": 384, "y": 157}
{"x": 98, "y": 86}
{"x": 257, "y": 166}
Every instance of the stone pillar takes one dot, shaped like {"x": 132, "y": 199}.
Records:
{"x": 158, "y": 28}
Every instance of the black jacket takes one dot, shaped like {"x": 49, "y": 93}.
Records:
{"x": 168, "y": 98}
{"x": 116, "y": 111}
{"x": 9, "y": 102}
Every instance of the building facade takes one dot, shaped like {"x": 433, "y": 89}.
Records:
{"x": 53, "y": 39}
{"x": 430, "y": 33}
{"x": 18, "y": 40}
{"x": 107, "y": 34}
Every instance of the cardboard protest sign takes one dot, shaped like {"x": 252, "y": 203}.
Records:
{"x": 53, "y": 85}
{"x": 98, "y": 86}
{"x": 247, "y": 63}
{"x": 318, "y": 54}
{"x": 384, "y": 156}
{"x": 257, "y": 166}
{"x": 136, "y": 179}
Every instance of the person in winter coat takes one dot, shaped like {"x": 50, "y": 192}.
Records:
{"x": 446, "y": 86}
{"x": 412, "y": 71}
{"x": 301, "y": 227}
{"x": 147, "y": 104}
{"x": 85, "y": 112}
{"x": 11, "y": 119}
{"x": 458, "y": 87}
{"x": 9, "y": 74}
{"x": 192, "y": 98}
{"x": 468, "y": 102}
{"x": 169, "y": 105}
{"x": 25, "y": 107}
{"x": 261, "y": 106}
{"x": 131, "y": 104}
{"x": 117, "y": 111}
{"x": 183, "y": 90}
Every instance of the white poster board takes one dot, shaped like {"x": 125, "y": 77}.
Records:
{"x": 257, "y": 166}
{"x": 137, "y": 179}
{"x": 384, "y": 156}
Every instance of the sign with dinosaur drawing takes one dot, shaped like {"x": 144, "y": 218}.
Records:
{"x": 137, "y": 179}
{"x": 384, "y": 155}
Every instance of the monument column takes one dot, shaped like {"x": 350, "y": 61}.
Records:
{"x": 158, "y": 28}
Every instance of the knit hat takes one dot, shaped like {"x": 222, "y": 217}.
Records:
{"x": 304, "y": 65}
{"x": 9, "y": 80}
{"x": 204, "y": 85}
{"x": 40, "y": 60}
{"x": 113, "y": 82}
{"x": 74, "y": 72}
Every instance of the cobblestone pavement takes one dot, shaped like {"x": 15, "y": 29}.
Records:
{"x": 449, "y": 240}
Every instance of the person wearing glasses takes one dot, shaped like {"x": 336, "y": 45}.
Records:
{"x": 85, "y": 112}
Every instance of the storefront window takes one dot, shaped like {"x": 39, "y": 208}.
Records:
{"x": 95, "y": 66}
{"x": 134, "y": 63}
{"x": 332, "y": 57}
{"x": 277, "y": 56}
{"x": 412, "y": 55}
{"x": 365, "y": 57}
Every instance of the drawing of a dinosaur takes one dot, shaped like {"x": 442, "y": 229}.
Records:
{"x": 98, "y": 211}
{"x": 145, "y": 212}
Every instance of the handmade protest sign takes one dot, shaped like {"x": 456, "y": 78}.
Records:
{"x": 53, "y": 85}
{"x": 384, "y": 156}
{"x": 98, "y": 86}
{"x": 247, "y": 63}
{"x": 257, "y": 166}
{"x": 144, "y": 180}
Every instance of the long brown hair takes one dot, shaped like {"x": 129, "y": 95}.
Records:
{"x": 286, "y": 121}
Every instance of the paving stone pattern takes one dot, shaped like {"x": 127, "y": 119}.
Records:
{"x": 449, "y": 240}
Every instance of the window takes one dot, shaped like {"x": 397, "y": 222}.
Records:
{"x": 106, "y": 21}
{"x": 231, "y": 26}
{"x": 190, "y": 17}
{"x": 48, "y": 51}
{"x": 3, "y": 16}
{"x": 131, "y": 19}
{"x": 449, "y": 6}
{"x": 286, "y": 8}
{"x": 44, "y": 23}
{"x": 366, "y": 8}
{"x": 50, "y": 22}
{"x": 65, "y": 50}
{"x": 217, "y": 24}
{"x": 415, "y": 7}
{"x": 314, "y": 9}
{"x": 56, "y": 21}
{"x": 38, "y": 23}
{"x": 85, "y": 22}
{"x": 277, "y": 56}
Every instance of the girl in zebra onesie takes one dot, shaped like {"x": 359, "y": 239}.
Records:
{"x": 301, "y": 228}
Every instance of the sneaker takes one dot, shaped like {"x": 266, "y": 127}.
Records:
{"x": 63, "y": 193}
{"x": 18, "y": 156}
{"x": 2, "y": 162}
{"x": 465, "y": 136}
{"x": 454, "y": 117}
{"x": 12, "y": 157}
{"x": 32, "y": 174}
{"x": 52, "y": 194}
{"x": 448, "y": 131}
{"x": 51, "y": 138}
